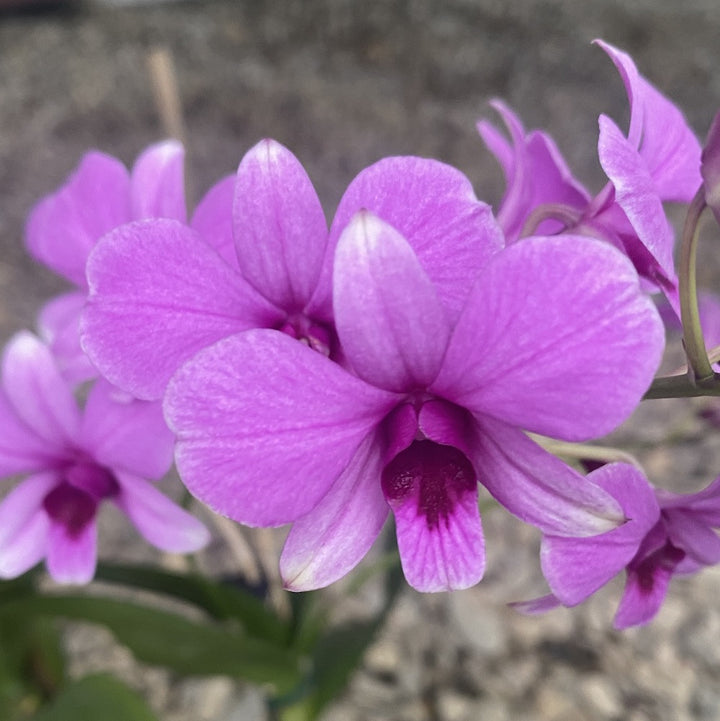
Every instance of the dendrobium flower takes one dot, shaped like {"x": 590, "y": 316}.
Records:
{"x": 160, "y": 291}
{"x": 74, "y": 460}
{"x": 658, "y": 161}
{"x": 428, "y": 403}
{"x": 65, "y": 226}
{"x": 665, "y": 534}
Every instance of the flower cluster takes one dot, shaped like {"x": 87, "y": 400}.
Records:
{"x": 391, "y": 363}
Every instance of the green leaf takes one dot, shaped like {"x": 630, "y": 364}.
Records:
{"x": 167, "y": 639}
{"x": 96, "y": 698}
{"x": 218, "y": 599}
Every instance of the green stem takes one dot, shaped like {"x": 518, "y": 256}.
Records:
{"x": 564, "y": 214}
{"x": 681, "y": 387}
{"x": 698, "y": 361}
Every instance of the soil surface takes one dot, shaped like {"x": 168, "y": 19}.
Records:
{"x": 342, "y": 84}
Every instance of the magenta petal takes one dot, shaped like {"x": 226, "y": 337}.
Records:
{"x": 536, "y": 606}
{"x": 63, "y": 228}
{"x": 158, "y": 182}
{"x": 704, "y": 505}
{"x": 433, "y": 206}
{"x": 643, "y": 596}
{"x": 59, "y": 327}
{"x": 72, "y": 554}
{"x": 123, "y": 433}
{"x": 24, "y": 525}
{"x": 158, "y": 294}
{"x": 388, "y": 316}
{"x": 538, "y": 487}
{"x": 688, "y": 532}
{"x": 635, "y": 193}
{"x": 265, "y": 425}
{"x": 336, "y": 535}
{"x": 159, "y": 520}
{"x": 279, "y": 226}
{"x": 659, "y": 131}
{"x": 551, "y": 321}
{"x": 39, "y": 395}
{"x": 577, "y": 567}
{"x": 432, "y": 491}
{"x": 213, "y": 219}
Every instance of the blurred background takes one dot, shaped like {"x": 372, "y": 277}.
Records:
{"x": 343, "y": 83}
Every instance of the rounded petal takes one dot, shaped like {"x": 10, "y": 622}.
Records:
{"x": 158, "y": 294}
{"x": 59, "y": 327}
{"x": 279, "y": 226}
{"x": 433, "y": 206}
{"x": 388, "y": 316}
{"x": 556, "y": 338}
{"x": 63, "y": 227}
{"x": 72, "y": 554}
{"x": 213, "y": 219}
{"x": 121, "y": 432}
{"x": 336, "y": 535}
{"x": 37, "y": 392}
{"x": 158, "y": 182}
{"x": 265, "y": 425}
{"x": 159, "y": 520}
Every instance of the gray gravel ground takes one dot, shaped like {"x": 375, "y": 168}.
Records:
{"x": 342, "y": 84}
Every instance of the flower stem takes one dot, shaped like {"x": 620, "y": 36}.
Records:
{"x": 564, "y": 214}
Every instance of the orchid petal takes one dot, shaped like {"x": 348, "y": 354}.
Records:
{"x": 636, "y": 195}
{"x": 660, "y": 132}
{"x": 335, "y": 536}
{"x": 577, "y": 567}
{"x": 158, "y": 294}
{"x": 63, "y": 227}
{"x": 72, "y": 554}
{"x": 536, "y": 606}
{"x": 644, "y": 593}
{"x": 688, "y": 532}
{"x": 551, "y": 321}
{"x": 157, "y": 184}
{"x": 279, "y": 226}
{"x": 39, "y": 395}
{"x": 17, "y": 512}
{"x": 213, "y": 219}
{"x": 539, "y": 488}
{"x": 159, "y": 520}
{"x": 433, "y": 206}
{"x": 704, "y": 505}
{"x": 265, "y": 425}
{"x": 388, "y": 316}
{"x": 121, "y": 432}
{"x": 20, "y": 552}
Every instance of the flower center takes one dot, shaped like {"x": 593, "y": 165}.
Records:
{"x": 437, "y": 475}
{"x": 315, "y": 335}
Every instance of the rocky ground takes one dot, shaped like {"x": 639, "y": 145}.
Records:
{"x": 342, "y": 84}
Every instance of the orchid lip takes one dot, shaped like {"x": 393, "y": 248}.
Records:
{"x": 312, "y": 334}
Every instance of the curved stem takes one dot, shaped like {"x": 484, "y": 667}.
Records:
{"x": 564, "y": 214}
{"x": 698, "y": 361}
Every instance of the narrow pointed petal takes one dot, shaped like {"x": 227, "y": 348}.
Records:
{"x": 279, "y": 226}
{"x": 26, "y": 548}
{"x": 158, "y": 294}
{"x": 550, "y": 322}
{"x": 72, "y": 554}
{"x": 59, "y": 327}
{"x": 63, "y": 228}
{"x": 121, "y": 432}
{"x": 539, "y": 488}
{"x": 265, "y": 425}
{"x": 660, "y": 132}
{"x": 636, "y": 194}
{"x": 688, "y": 532}
{"x": 17, "y": 514}
{"x": 643, "y": 595}
{"x": 704, "y": 505}
{"x": 577, "y": 567}
{"x": 710, "y": 167}
{"x": 213, "y": 219}
{"x": 159, "y": 520}
{"x": 433, "y": 206}
{"x": 336, "y": 535}
{"x": 432, "y": 491}
{"x": 39, "y": 395}
{"x": 158, "y": 182}
{"x": 388, "y": 316}
{"x": 536, "y": 606}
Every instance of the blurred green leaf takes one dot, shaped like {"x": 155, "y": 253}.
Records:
{"x": 168, "y": 639}
{"x": 218, "y": 599}
{"x": 97, "y": 698}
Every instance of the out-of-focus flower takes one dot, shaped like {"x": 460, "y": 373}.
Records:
{"x": 159, "y": 293}
{"x": 74, "y": 460}
{"x": 428, "y": 404}
{"x": 666, "y": 534}
{"x": 63, "y": 228}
